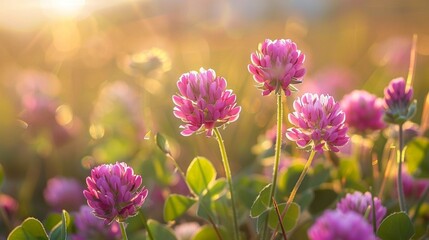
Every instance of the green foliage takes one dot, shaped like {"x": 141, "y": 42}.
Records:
{"x": 160, "y": 231}
{"x": 289, "y": 220}
{"x": 323, "y": 198}
{"x": 200, "y": 174}
{"x": 1, "y": 174}
{"x": 247, "y": 189}
{"x": 396, "y": 226}
{"x": 260, "y": 205}
{"x": 176, "y": 205}
{"x": 209, "y": 233}
{"x": 59, "y": 231}
{"x": 30, "y": 229}
{"x": 417, "y": 157}
{"x": 349, "y": 173}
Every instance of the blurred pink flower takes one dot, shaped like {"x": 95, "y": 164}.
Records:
{"x": 361, "y": 202}
{"x": 64, "y": 193}
{"x": 364, "y": 111}
{"x": 9, "y": 205}
{"x": 319, "y": 123}
{"x": 394, "y": 53}
{"x": 398, "y": 102}
{"x": 204, "y": 103}
{"x": 413, "y": 188}
{"x": 89, "y": 226}
{"x": 114, "y": 192}
{"x": 335, "y": 224}
{"x": 276, "y": 65}
{"x": 186, "y": 231}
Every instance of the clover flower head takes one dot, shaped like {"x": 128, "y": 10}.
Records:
{"x": 318, "y": 123}
{"x": 203, "y": 102}
{"x": 398, "y": 102}
{"x": 335, "y": 224}
{"x": 89, "y": 226}
{"x": 276, "y": 65}
{"x": 360, "y": 203}
{"x": 114, "y": 192}
{"x": 364, "y": 111}
{"x": 64, "y": 193}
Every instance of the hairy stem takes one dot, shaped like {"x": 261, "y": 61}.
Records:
{"x": 400, "y": 159}
{"x": 229, "y": 179}
{"x": 123, "y": 232}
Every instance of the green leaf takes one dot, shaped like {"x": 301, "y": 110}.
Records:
{"x": 216, "y": 189}
{"x": 200, "y": 174}
{"x": 289, "y": 220}
{"x": 323, "y": 198}
{"x": 261, "y": 202}
{"x": 288, "y": 179}
{"x": 176, "y": 205}
{"x": 247, "y": 189}
{"x": 160, "y": 231}
{"x": 162, "y": 143}
{"x": 417, "y": 155}
{"x": 396, "y": 226}
{"x": 30, "y": 229}
{"x": 209, "y": 233}
{"x": 59, "y": 232}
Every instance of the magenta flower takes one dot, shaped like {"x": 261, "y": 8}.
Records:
{"x": 361, "y": 203}
{"x": 276, "y": 65}
{"x": 114, "y": 192}
{"x": 64, "y": 193}
{"x": 204, "y": 103}
{"x": 341, "y": 225}
{"x": 89, "y": 226}
{"x": 9, "y": 205}
{"x": 319, "y": 123}
{"x": 364, "y": 111}
{"x": 413, "y": 188}
{"x": 398, "y": 102}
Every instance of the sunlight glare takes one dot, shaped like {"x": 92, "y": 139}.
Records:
{"x": 63, "y": 7}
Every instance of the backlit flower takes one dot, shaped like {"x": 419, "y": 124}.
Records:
{"x": 64, "y": 193}
{"x": 364, "y": 111}
{"x": 398, "y": 102}
{"x": 276, "y": 65}
{"x": 319, "y": 123}
{"x": 114, "y": 192}
{"x": 89, "y": 226}
{"x": 203, "y": 102}
{"x": 341, "y": 225}
{"x": 361, "y": 203}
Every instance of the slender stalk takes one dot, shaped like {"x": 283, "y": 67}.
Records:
{"x": 400, "y": 159}
{"x": 229, "y": 179}
{"x": 123, "y": 232}
{"x": 144, "y": 220}
{"x": 276, "y": 160}
{"x": 296, "y": 187}
{"x": 276, "y": 207}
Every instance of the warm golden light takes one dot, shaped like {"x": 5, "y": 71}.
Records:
{"x": 63, "y": 7}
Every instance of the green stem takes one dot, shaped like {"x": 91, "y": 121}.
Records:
{"x": 297, "y": 184}
{"x": 276, "y": 160}
{"x": 400, "y": 159}
{"x": 123, "y": 232}
{"x": 144, "y": 220}
{"x": 229, "y": 179}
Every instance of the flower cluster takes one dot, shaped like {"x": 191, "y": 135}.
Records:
{"x": 361, "y": 203}
{"x": 319, "y": 123}
{"x": 364, "y": 111}
{"x": 204, "y": 103}
{"x": 64, "y": 193}
{"x": 114, "y": 192}
{"x": 276, "y": 65}
{"x": 335, "y": 224}
{"x": 398, "y": 102}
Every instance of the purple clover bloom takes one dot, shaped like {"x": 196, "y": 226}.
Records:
{"x": 319, "y": 123}
{"x": 398, "y": 102}
{"x": 276, "y": 65}
{"x": 360, "y": 203}
{"x": 89, "y": 226}
{"x": 114, "y": 192}
{"x": 203, "y": 102}
{"x": 64, "y": 193}
{"x": 364, "y": 111}
{"x": 335, "y": 224}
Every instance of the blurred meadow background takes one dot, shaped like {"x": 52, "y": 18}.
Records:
{"x": 84, "y": 82}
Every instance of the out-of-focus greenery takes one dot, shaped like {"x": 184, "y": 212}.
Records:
{"x": 108, "y": 70}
